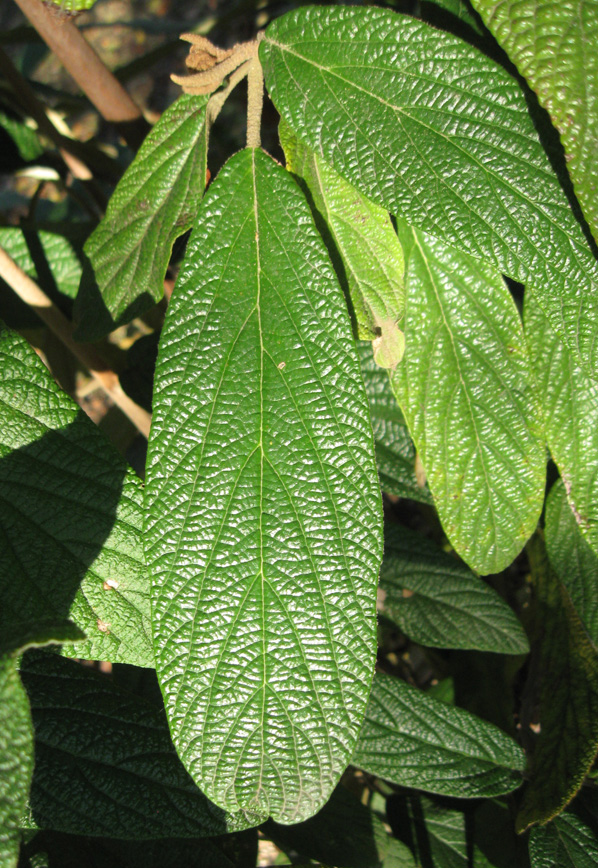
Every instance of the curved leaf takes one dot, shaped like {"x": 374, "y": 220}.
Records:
{"x": 154, "y": 203}
{"x": 264, "y": 519}
{"x": 104, "y": 761}
{"x": 363, "y": 246}
{"x": 70, "y": 518}
{"x": 60, "y": 252}
{"x": 465, "y": 388}
{"x": 395, "y": 452}
{"x": 437, "y": 601}
{"x": 564, "y": 843}
{"x": 575, "y": 563}
{"x": 439, "y": 134}
{"x": 569, "y": 401}
{"x": 412, "y": 740}
{"x": 555, "y": 46}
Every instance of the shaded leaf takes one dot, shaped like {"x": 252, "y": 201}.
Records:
{"x": 395, "y": 452}
{"x": 363, "y": 246}
{"x": 555, "y": 47}
{"x": 104, "y": 761}
{"x": 565, "y": 664}
{"x": 569, "y": 401}
{"x": 154, "y": 203}
{"x": 264, "y": 518}
{"x": 427, "y": 126}
{"x": 465, "y": 388}
{"x": 70, "y": 518}
{"x": 413, "y": 740}
{"x": 459, "y": 9}
{"x": 26, "y": 140}
{"x": 573, "y": 560}
{"x": 566, "y": 842}
{"x": 61, "y": 254}
{"x": 436, "y": 600}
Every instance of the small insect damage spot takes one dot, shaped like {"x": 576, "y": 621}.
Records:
{"x": 110, "y": 585}
{"x": 103, "y": 627}
{"x": 406, "y": 593}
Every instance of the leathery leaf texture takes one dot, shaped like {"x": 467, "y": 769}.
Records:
{"x": 264, "y": 521}
{"x": 430, "y": 128}
{"x": 153, "y": 205}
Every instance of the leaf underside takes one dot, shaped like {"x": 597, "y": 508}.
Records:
{"x": 264, "y": 520}
{"x": 427, "y": 126}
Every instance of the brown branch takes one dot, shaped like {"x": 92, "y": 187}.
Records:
{"x": 94, "y": 78}
{"x": 32, "y": 295}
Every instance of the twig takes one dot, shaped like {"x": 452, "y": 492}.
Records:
{"x": 91, "y": 74}
{"x": 32, "y": 295}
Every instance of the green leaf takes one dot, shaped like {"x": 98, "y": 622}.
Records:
{"x": 427, "y": 126}
{"x": 458, "y": 9}
{"x": 26, "y": 140}
{"x": 104, "y": 761}
{"x": 437, "y": 601}
{"x": 395, "y": 452}
{"x": 564, "y": 843}
{"x": 264, "y": 519}
{"x": 71, "y": 517}
{"x": 555, "y": 47}
{"x": 345, "y": 834}
{"x": 575, "y": 563}
{"x": 154, "y": 203}
{"x": 465, "y": 388}
{"x": 36, "y": 634}
{"x": 60, "y": 256}
{"x": 570, "y": 404}
{"x": 413, "y": 740}
{"x": 363, "y": 246}
{"x": 565, "y": 665}
{"x": 16, "y": 759}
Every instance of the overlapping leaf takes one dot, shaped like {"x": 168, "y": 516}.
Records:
{"x": 104, "y": 761}
{"x": 555, "y": 46}
{"x": 395, "y": 453}
{"x": 465, "y": 388}
{"x": 569, "y": 400}
{"x": 16, "y": 759}
{"x": 71, "y": 515}
{"x": 154, "y": 203}
{"x": 566, "y": 693}
{"x": 415, "y": 741}
{"x": 363, "y": 246}
{"x": 437, "y": 601}
{"x": 566, "y": 843}
{"x": 575, "y": 563}
{"x": 264, "y": 520}
{"x": 430, "y": 128}
{"x": 59, "y": 251}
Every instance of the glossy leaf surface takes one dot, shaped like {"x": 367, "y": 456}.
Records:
{"x": 555, "y": 47}
{"x": 575, "y": 563}
{"x": 436, "y": 600}
{"x": 154, "y": 203}
{"x": 264, "y": 520}
{"x": 412, "y": 740}
{"x": 570, "y": 404}
{"x": 566, "y": 669}
{"x": 564, "y": 843}
{"x": 427, "y": 126}
{"x": 465, "y": 388}
{"x": 71, "y": 515}
{"x": 395, "y": 452}
{"x": 363, "y": 246}
{"x": 104, "y": 761}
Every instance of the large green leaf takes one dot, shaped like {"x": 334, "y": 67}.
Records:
{"x": 465, "y": 388}
{"x": 345, "y": 833}
{"x": 395, "y": 452}
{"x": 555, "y": 46}
{"x": 413, "y": 740}
{"x": 430, "y": 128}
{"x": 363, "y": 246}
{"x": 570, "y": 403}
{"x": 575, "y": 563}
{"x": 564, "y": 843}
{"x": 437, "y": 601}
{"x": 264, "y": 519}
{"x": 154, "y": 203}
{"x": 565, "y": 669}
{"x": 104, "y": 761}
{"x": 70, "y": 518}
